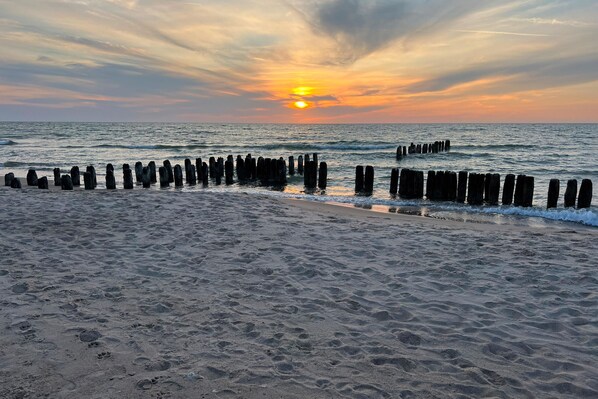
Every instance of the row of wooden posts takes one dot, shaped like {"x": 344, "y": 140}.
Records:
{"x": 431, "y": 148}
{"x": 269, "y": 171}
{"x": 478, "y": 188}
{"x": 475, "y": 188}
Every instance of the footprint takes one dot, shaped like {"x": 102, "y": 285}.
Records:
{"x": 89, "y": 336}
{"x": 20, "y": 288}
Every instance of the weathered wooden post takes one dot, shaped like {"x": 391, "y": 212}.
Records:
{"x": 403, "y": 182}
{"x": 88, "y": 180}
{"x": 229, "y": 172}
{"x": 146, "y": 179}
{"x": 399, "y": 153}
{"x": 418, "y": 187}
{"x": 418, "y": 149}
{"x": 57, "y": 176}
{"x": 205, "y": 174}
{"x": 528, "y": 191}
{"x": 198, "y": 165}
{"x": 128, "y": 178}
{"x": 169, "y": 173}
{"x": 152, "y": 168}
{"x": 310, "y": 175}
{"x": 518, "y": 201}
{"x": 109, "y": 168}
{"x": 584, "y": 199}
{"x": 452, "y": 186}
{"x": 164, "y": 181}
{"x": 282, "y": 171}
{"x": 212, "y": 164}
{"x": 315, "y": 159}
{"x": 462, "y": 187}
{"x": 66, "y": 182}
{"x": 138, "y": 171}
{"x": 430, "y": 185}
{"x": 359, "y": 178}
{"x": 404, "y": 150}
{"x": 300, "y": 164}
{"x": 42, "y": 183}
{"x": 487, "y": 187}
{"x": 32, "y": 177}
{"x": 394, "y": 181}
{"x": 508, "y": 189}
{"x": 570, "y": 193}
{"x": 253, "y": 168}
{"x": 368, "y": 184}
{"x": 447, "y": 145}
{"x": 191, "y": 175}
{"x": 220, "y": 163}
{"x": 92, "y": 171}
{"x": 291, "y": 165}
{"x": 75, "y": 176}
{"x": 475, "y": 194}
{"x": 493, "y": 189}
{"x": 110, "y": 180}
{"x": 323, "y": 177}
{"x": 553, "y": 193}
{"x": 217, "y": 172}
{"x": 187, "y": 170}
{"x": 439, "y": 186}
{"x": 178, "y": 175}
{"x": 8, "y": 178}
{"x": 15, "y": 183}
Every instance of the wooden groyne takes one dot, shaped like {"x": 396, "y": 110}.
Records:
{"x": 426, "y": 148}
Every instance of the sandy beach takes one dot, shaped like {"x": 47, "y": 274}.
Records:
{"x": 151, "y": 294}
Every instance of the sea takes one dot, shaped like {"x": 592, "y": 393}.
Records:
{"x": 544, "y": 151}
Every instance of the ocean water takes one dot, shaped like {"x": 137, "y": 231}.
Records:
{"x": 545, "y": 151}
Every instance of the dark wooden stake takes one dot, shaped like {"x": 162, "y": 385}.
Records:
{"x": 138, "y": 171}
{"x": 462, "y": 186}
{"x": 8, "y": 178}
{"x": 508, "y": 189}
{"x": 75, "y": 176}
{"x": 57, "y": 176}
{"x": 110, "y": 180}
{"x": 32, "y": 178}
{"x": 66, "y": 182}
{"x": 152, "y": 168}
{"x": 128, "y": 178}
{"x": 553, "y": 193}
{"x": 368, "y": 184}
{"x": 584, "y": 199}
{"x": 570, "y": 193}
{"x": 394, "y": 181}
{"x": 164, "y": 180}
{"x": 169, "y": 172}
{"x": 42, "y": 183}
{"x": 146, "y": 179}
{"x": 88, "y": 180}
{"x": 291, "y": 165}
{"x": 323, "y": 177}
{"x": 178, "y": 176}
{"x": 359, "y": 178}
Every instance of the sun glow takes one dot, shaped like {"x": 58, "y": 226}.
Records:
{"x": 301, "y": 104}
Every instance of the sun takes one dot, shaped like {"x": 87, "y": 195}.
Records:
{"x": 301, "y": 104}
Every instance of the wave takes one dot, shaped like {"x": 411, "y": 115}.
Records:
{"x": 7, "y": 142}
{"x": 493, "y": 146}
{"x": 352, "y": 146}
{"x": 152, "y": 146}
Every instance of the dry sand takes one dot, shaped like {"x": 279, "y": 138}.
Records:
{"x": 163, "y": 294}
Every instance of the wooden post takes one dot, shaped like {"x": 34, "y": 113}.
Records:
{"x": 190, "y": 173}
{"x": 146, "y": 179}
{"x": 152, "y": 168}
{"x": 198, "y": 165}
{"x": 528, "y": 191}
{"x": 425, "y": 148}
{"x": 300, "y": 164}
{"x": 229, "y": 171}
{"x": 75, "y": 176}
{"x": 430, "y": 184}
{"x": 205, "y": 174}
{"x": 92, "y": 170}
{"x": 282, "y": 171}
{"x": 447, "y": 145}
{"x": 15, "y": 183}
{"x": 493, "y": 188}
{"x": 403, "y": 182}
{"x": 462, "y": 187}
{"x": 57, "y": 176}
{"x": 315, "y": 159}
{"x": 323, "y": 177}
{"x": 212, "y": 164}
{"x": 291, "y": 165}
{"x": 8, "y": 178}
{"x": 32, "y": 177}
{"x": 418, "y": 149}
{"x": 404, "y": 150}
{"x": 169, "y": 172}
{"x": 217, "y": 172}
{"x": 475, "y": 194}
{"x": 452, "y": 186}
{"x": 419, "y": 184}
{"x": 518, "y": 201}
{"x": 570, "y": 193}
{"x": 359, "y": 178}
{"x": 88, "y": 180}
{"x": 138, "y": 171}
{"x": 394, "y": 181}
{"x": 110, "y": 180}
{"x": 584, "y": 199}
{"x": 368, "y": 184}
{"x": 399, "y": 153}
{"x": 66, "y": 182}
{"x": 553, "y": 193}
{"x": 164, "y": 181}
{"x": 178, "y": 175}
{"x": 220, "y": 163}
{"x": 109, "y": 168}
{"x": 128, "y": 178}
{"x": 253, "y": 168}
{"x": 439, "y": 186}
{"x": 187, "y": 170}
{"x": 507, "y": 189}
{"x": 42, "y": 183}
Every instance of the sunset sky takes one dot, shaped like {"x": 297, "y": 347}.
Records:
{"x": 327, "y": 61}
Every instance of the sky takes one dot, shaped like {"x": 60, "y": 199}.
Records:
{"x": 299, "y": 61}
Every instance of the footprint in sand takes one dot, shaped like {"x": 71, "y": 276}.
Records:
{"x": 89, "y": 336}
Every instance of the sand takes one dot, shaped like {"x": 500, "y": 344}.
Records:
{"x": 220, "y": 295}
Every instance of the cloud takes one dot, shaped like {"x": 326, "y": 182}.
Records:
{"x": 360, "y": 28}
